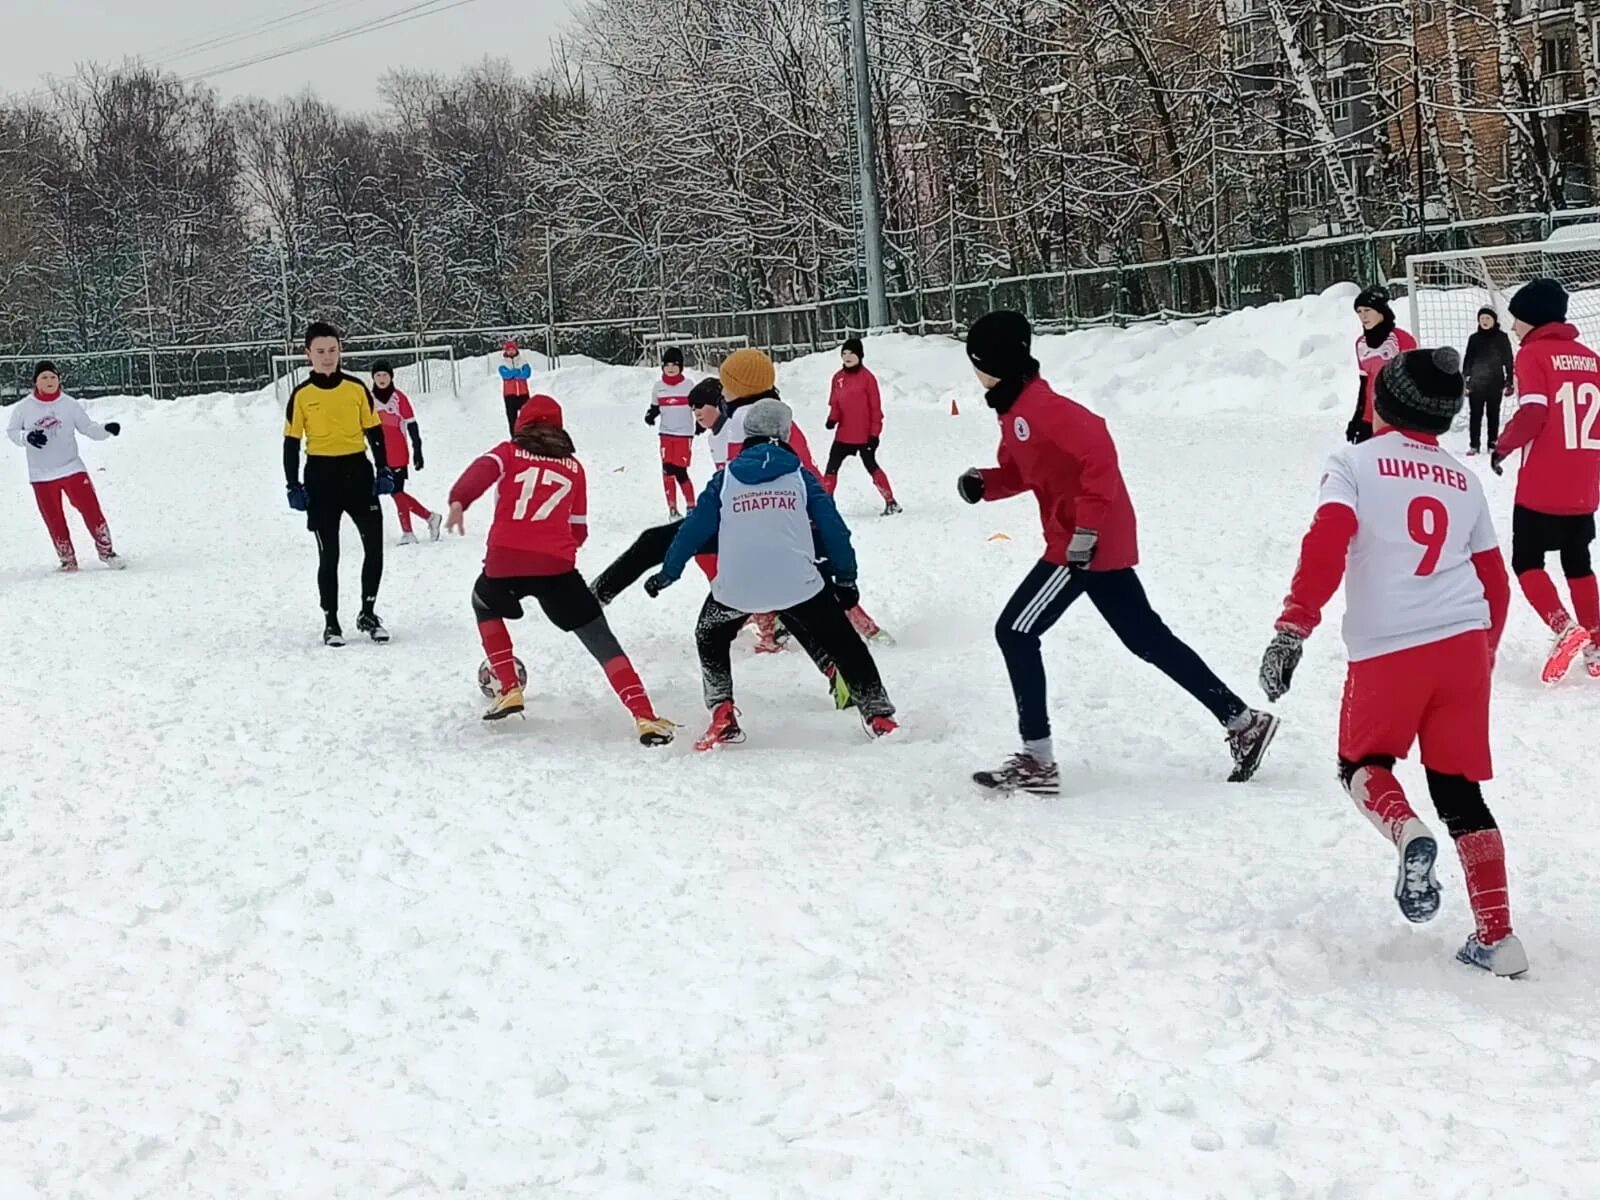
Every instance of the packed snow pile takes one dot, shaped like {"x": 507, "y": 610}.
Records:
{"x": 278, "y": 920}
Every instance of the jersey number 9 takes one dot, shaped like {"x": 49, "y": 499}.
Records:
{"x": 1428, "y": 522}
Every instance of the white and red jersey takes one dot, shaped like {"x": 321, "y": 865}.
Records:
{"x": 60, "y": 418}
{"x": 733, "y": 441}
{"x": 541, "y": 510}
{"x": 1558, "y": 379}
{"x": 670, "y": 397}
{"x": 1424, "y": 563}
{"x": 394, "y": 413}
{"x": 1372, "y": 359}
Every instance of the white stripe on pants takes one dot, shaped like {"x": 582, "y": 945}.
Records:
{"x": 1052, "y": 588}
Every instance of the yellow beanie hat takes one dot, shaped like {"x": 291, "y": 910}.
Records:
{"x": 747, "y": 373}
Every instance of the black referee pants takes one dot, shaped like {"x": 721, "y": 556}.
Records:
{"x": 337, "y": 487}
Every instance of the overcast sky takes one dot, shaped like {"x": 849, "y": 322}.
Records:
{"x": 49, "y": 37}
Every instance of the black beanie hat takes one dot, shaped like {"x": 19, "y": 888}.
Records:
{"x": 384, "y": 365}
{"x": 854, "y": 346}
{"x": 1487, "y": 311}
{"x": 1001, "y": 344}
{"x": 1377, "y": 299}
{"x": 40, "y": 368}
{"x": 706, "y": 394}
{"x": 1542, "y": 302}
{"x": 672, "y": 357}
{"x": 1421, "y": 390}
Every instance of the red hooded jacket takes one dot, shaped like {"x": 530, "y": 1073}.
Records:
{"x": 855, "y": 407}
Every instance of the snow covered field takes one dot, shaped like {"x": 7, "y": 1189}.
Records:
{"x": 283, "y": 921}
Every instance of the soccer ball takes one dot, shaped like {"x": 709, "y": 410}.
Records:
{"x": 490, "y": 686}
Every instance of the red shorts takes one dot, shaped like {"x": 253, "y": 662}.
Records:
{"x": 676, "y": 451}
{"x": 1438, "y": 694}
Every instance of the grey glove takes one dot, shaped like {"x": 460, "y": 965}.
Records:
{"x": 1080, "y": 550}
{"x": 1279, "y": 662}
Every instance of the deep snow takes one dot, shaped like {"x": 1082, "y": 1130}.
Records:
{"x": 283, "y": 921}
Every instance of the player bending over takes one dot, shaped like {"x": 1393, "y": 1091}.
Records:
{"x": 540, "y": 520}
{"x": 1426, "y": 595}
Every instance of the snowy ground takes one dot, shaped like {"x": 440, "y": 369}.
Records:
{"x": 283, "y": 921}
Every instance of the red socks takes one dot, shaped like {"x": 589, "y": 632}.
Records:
{"x": 1586, "y": 602}
{"x": 1382, "y": 801}
{"x": 829, "y": 482}
{"x": 687, "y": 487}
{"x": 625, "y": 682}
{"x": 881, "y": 482}
{"x": 1541, "y": 593}
{"x": 707, "y": 563}
{"x": 496, "y": 640}
{"x": 669, "y": 487}
{"x": 1483, "y": 859}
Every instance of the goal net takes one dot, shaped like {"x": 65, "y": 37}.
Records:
{"x": 418, "y": 369}
{"x": 1447, "y": 290}
{"x": 701, "y": 354}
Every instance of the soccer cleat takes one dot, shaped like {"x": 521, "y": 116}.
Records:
{"x": 869, "y": 629}
{"x": 370, "y": 624}
{"x": 892, "y": 509}
{"x": 69, "y": 566}
{"x": 1506, "y": 958}
{"x": 1591, "y": 659}
{"x": 332, "y": 635}
{"x": 1416, "y": 889}
{"x": 114, "y": 562}
{"x": 1569, "y": 644}
{"x": 839, "y": 690}
{"x": 770, "y": 636}
{"x": 1249, "y": 745}
{"x": 506, "y": 704}
{"x": 1022, "y": 773}
{"x": 879, "y": 726}
{"x": 408, "y": 538}
{"x": 1473, "y": 452}
{"x": 673, "y": 514}
{"x": 435, "y": 526}
{"x": 653, "y": 731}
{"x": 724, "y": 728}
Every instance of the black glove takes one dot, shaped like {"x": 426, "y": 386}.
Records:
{"x": 38, "y": 439}
{"x": 1357, "y": 431}
{"x": 297, "y": 497}
{"x": 383, "y": 482}
{"x": 872, "y": 442}
{"x": 650, "y": 415}
{"x": 830, "y": 423}
{"x": 846, "y": 593}
{"x": 114, "y": 428}
{"x": 1497, "y": 463}
{"x": 656, "y": 584}
{"x": 1279, "y": 662}
{"x": 970, "y": 486}
{"x": 416, "y": 458}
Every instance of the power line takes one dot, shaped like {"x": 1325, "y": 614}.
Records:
{"x": 173, "y": 51}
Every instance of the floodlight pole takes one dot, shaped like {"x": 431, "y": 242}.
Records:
{"x": 867, "y": 152}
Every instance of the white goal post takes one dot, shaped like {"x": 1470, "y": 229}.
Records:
{"x": 417, "y": 368}
{"x": 700, "y": 353}
{"x": 1446, "y": 290}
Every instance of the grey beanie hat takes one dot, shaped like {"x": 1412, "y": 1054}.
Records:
{"x": 770, "y": 419}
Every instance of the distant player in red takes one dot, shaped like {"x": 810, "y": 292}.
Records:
{"x": 1558, "y": 487}
{"x": 399, "y": 420}
{"x": 540, "y": 520}
{"x": 855, "y": 413}
{"x": 1426, "y": 595}
{"x": 673, "y": 416}
{"x": 1380, "y": 342}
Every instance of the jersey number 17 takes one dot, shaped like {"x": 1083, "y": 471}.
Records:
{"x": 530, "y": 480}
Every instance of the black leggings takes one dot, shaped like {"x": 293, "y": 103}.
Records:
{"x": 1048, "y": 592}
{"x": 1478, "y": 402}
{"x": 649, "y": 550}
{"x": 840, "y": 451}
{"x": 513, "y": 407}
{"x": 1458, "y": 801}
{"x": 337, "y": 488}
{"x": 817, "y": 623}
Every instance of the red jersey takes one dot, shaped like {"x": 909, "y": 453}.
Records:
{"x": 393, "y": 414}
{"x": 541, "y": 510}
{"x": 1064, "y": 455}
{"x": 855, "y": 407}
{"x": 1372, "y": 359}
{"x": 1558, "y": 379}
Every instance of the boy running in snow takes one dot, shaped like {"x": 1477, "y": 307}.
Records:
{"x": 1558, "y": 487}
{"x": 399, "y": 420}
{"x": 669, "y": 405}
{"x": 46, "y": 424}
{"x": 515, "y": 372}
{"x": 1379, "y": 342}
{"x": 1426, "y": 597}
{"x": 767, "y": 512}
{"x": 855, "y": 411}
{"x": 540, "y": 520}
{"x": 1064, "y": 455}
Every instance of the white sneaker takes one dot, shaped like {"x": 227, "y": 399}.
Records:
{"x": 114, "y": 562}
{"x": 408, "y": 539}
{"x": 435, "y": 526}
{"x": 1506, "y": 958}
{"x": 1416, "y": 889}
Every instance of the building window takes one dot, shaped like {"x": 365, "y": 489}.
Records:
{"x": 1466, "y": 81}
{"x": 1339, "y": 102}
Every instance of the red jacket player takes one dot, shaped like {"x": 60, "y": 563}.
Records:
{"x": 540, "y": 520}
{"x": 669, "y": 405}
{"x": 1558, "y": 487}
{"x": 855, "y": 412}
{"x": 1064, "y": 455}
{"x": 1425, "y": 601}
{"x": 1379, "y": 343}
{"x": 399, "y": 420}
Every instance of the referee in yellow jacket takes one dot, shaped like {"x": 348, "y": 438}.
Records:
{"x": 334, "y": 415}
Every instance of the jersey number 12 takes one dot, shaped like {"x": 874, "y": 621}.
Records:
{"x": 1580, "y": 436}
{"x": 530, "y": 480}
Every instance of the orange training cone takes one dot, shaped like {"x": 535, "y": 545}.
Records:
{"x": 954, "y": 411}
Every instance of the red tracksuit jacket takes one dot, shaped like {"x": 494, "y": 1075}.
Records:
{"x": 1064, "y": 455}
{"x": 855, "y": 408}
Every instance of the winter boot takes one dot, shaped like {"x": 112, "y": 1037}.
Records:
{"x": 1416, "y": 890}
{"x": 724, "y": 728}
{"x": 370, "y": 624}
{"x": 1569, "y": 644}
{"x": 435, "y": 526}
{"x": 1506, "y": 958}
{"x": 1022, "y": 773}
{"x": 332, "y": 635}
{"x": 1248, "y": 744}
{"x": 506, "y": 704}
